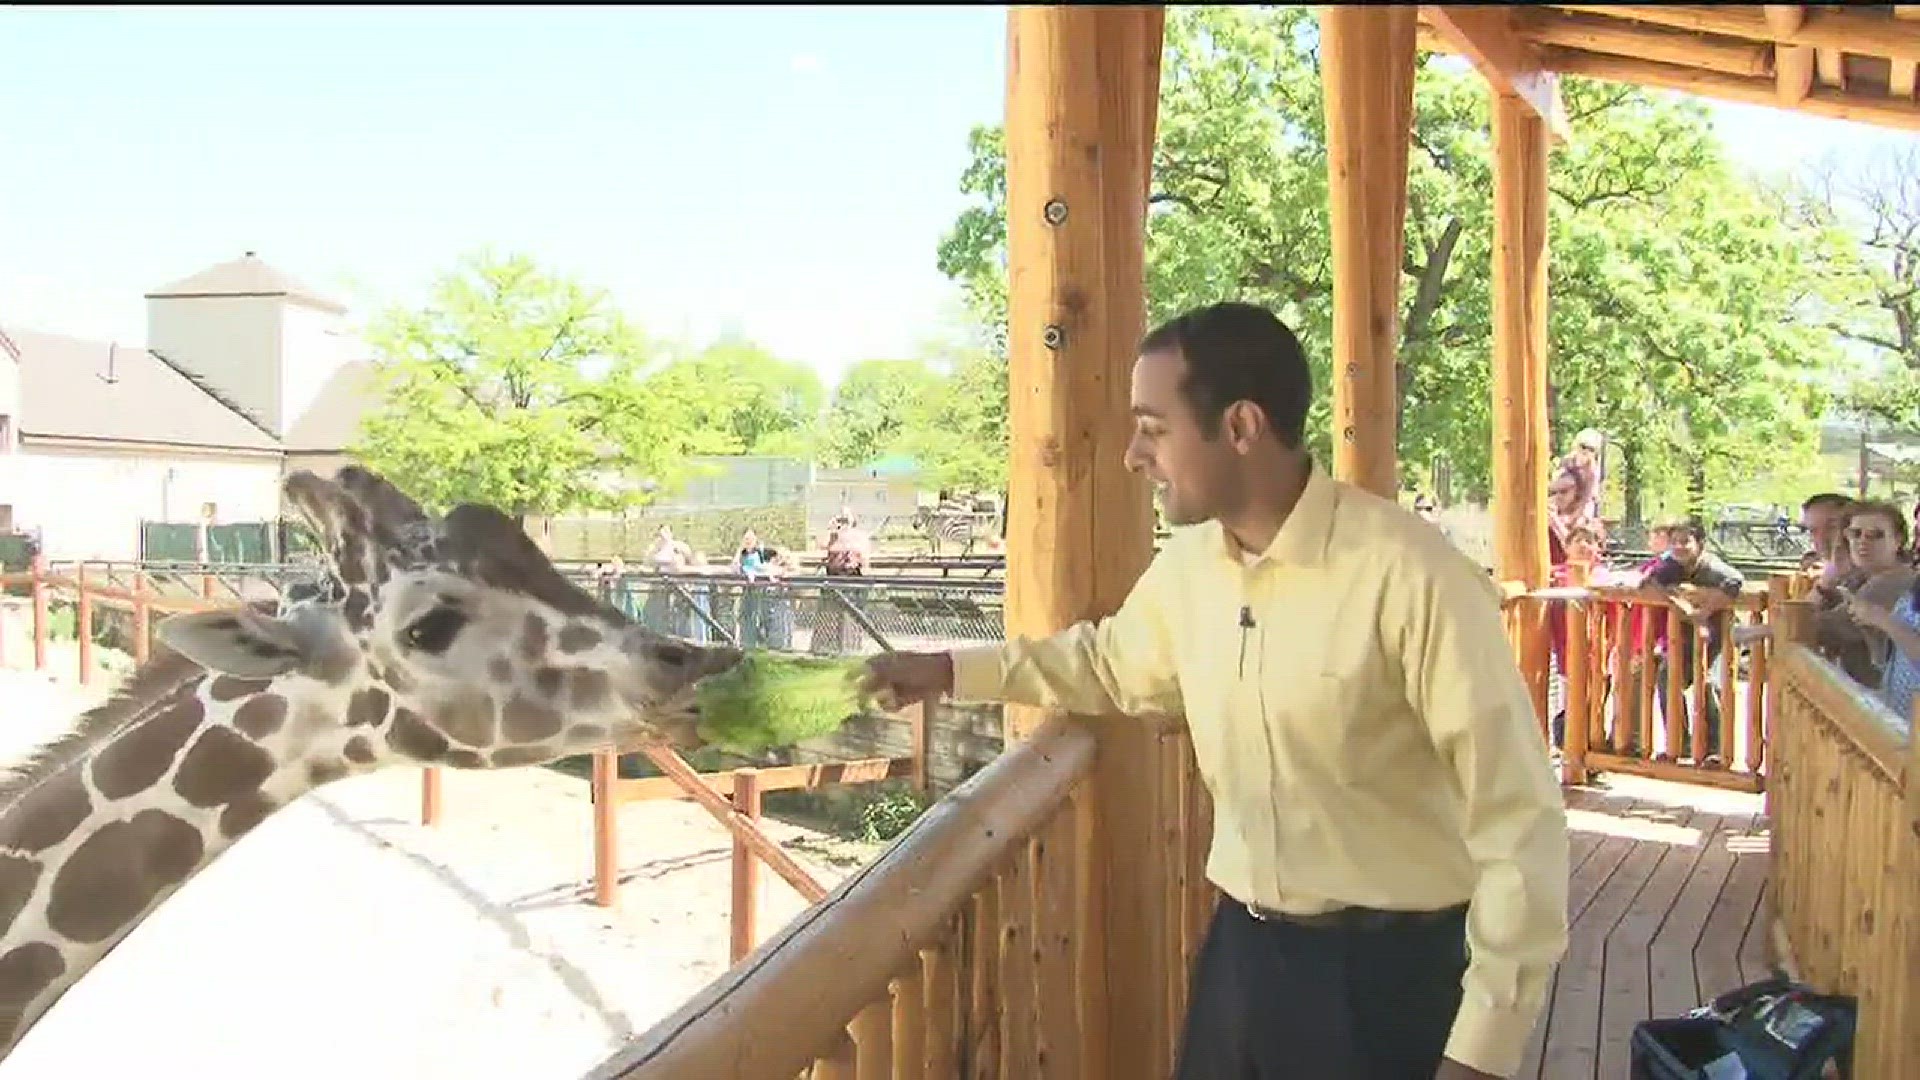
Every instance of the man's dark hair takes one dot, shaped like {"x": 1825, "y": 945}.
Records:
{"x": 1831, "y": 499}
{"x": 1239, "y": 352}
{"x": 1693, "y": 527}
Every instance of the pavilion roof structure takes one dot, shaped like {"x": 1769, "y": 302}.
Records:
{"x": 1858, "y": 62}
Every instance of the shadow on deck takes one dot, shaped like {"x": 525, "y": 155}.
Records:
{"x": 1667, "y": 902}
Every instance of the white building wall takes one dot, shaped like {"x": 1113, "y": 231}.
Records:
{"x": 88, "y": 503}
{"x": 313, "y": 345}
{"x": 233, "y": 342}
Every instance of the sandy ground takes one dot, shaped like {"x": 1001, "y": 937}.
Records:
{"x": 342, "y": 938}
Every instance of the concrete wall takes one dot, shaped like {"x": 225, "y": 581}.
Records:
{"x": 88, "y": 502}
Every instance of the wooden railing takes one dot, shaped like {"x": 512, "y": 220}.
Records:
{"x": 971, "y": 947}
{"x": 1844, "y": 800}
{"x": 1628, "y": 709}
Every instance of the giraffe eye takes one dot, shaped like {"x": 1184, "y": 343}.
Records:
{"x": 435, "y": 630}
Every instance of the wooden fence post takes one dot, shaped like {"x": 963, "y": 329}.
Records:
{"x": 430, "y": 796}
{"x": 606, "y": 835}
{"x": 142, "y": 619}
{"x": 746, "y": 868}
{"x": 40, "y": 613}
{"x": 83, "y": 621}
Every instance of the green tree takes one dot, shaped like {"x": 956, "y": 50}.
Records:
{"x": 876, "y": 402}
{"x": 1652, "y": 232}
{"x": 752, "y": 401}
{"x": 519, "y": 388}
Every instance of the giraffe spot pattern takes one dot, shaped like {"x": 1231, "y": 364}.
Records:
{"x": 18, "y": 876}
{"x": 591, "y": 734}
{"x": 515, "y": 756}
{"x": 116, "y": 872}
{"x": 322, "y": 773}
{"x": 465, "y": 759}
{"x": 244, "y": 813}
{"x": 261, "y": 716}
{"x": 24, "y": 973}
{"x": 368, "y": 707}
{"x": 525, "y": 721}
{"x": 577, "y": 638}
{"x": 549, "y": 680}
{"x": 412, "y": 737}
{"x": 590, "y": 688}
{"x": 220, "y": 767}
{"x": 46, "y": 815}
{"x": 359, "y": 750}
{"x": 468, "y": 719}
{"x": 500, "y": 670}
{"x": 139, "y": 758}
{"x": 533, "y": 638}
{"x": 233, "y": 688}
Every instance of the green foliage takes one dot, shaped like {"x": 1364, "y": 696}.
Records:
{"x": 713, "y": 533}
{"x": 751, "y": 401}
{"x": 875, "y": 403}
{"x": 773, "y": 699}
{"x": 1687, "y": 309}
{"x": 523, "y": 389}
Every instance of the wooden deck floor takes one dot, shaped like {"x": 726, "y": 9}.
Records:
{"x": 1668, "y": 908}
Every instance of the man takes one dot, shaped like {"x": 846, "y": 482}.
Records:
{"x": 1700, "y": 585}
{"x": 1823, "y": 516}
{"x": 1584, "y": 466}
{"x": 1389, "y": 840}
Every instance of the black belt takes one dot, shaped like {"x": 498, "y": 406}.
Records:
{"x": 1356, "y": 918}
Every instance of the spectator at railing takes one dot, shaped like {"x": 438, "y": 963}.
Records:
{"x": 1699, "y": 585}
{"x": 1901, "y": 625}
{"x": 1824, "y": 516}
{"x": 1583, "y": 468}
{"x": 1876, "y": 540}
{"x": 765, "y": 620}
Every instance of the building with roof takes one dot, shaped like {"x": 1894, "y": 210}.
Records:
{"x": 246, "y": 374}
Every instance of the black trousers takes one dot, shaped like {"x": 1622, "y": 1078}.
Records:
{"x": 1277, "y": 1000}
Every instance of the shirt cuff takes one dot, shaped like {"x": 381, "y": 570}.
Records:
{"x": 1490, "y": 1038}
{"x": 978, "y": 674}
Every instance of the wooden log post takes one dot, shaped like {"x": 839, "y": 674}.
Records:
{"x": 746, "y": 869}
{"x": 1520, "y": 439}
{"x": 83, "y": 622}
{"x": 40, "y": 614}
{"x": 1082, "y": 95}
{"x": 1366, "y": 66}
{"x": 606, "y": 828}
{"x": 430, "y": 796}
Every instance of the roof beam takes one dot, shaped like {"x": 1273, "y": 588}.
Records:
{"x": 1821, "y": 101}
{"x": 1844, "y": 31}
{"x": 1484, "y": 34}
{"x": 1901, "y": 80}
{"x": 1793, "y": 65}
{"x": 1618, "y": 37}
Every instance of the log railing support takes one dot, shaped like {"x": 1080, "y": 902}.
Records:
{"x": 1520, "y": 437}
{"x": 1082, "y": 93}
{"x": 1366, "y": 64}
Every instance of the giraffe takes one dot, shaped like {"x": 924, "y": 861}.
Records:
{"x": 450, "y": 641}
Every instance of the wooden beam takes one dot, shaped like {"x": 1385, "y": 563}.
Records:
{"x": 1366, "y": 64}
{"x": 1081, "y": 111}
{"x": 1845, "y": 31}
{"x": 1903, "y": 77}
{"x": 1820, "y": 101}
{"x": 1520, "y": 439}
{"x": 1618, "y": 38}
{"x": 1485, "y": 35}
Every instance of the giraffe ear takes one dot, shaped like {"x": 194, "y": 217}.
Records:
{"x": 238, "y": 641}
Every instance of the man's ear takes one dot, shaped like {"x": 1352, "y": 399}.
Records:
{"x": 238, "y": 641}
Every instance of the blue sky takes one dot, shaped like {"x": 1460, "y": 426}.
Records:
{"x": 784, "y": 172}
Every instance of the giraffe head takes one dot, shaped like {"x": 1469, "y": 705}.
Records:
{"x": 449, "y": 640}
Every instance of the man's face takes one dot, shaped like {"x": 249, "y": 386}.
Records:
{"x": 1657, "y": 542}
{"x": 1823, "y": 525}
{"x": 1563, "y": 496}
{"x": 1686, "y": 548}
{"x": 1196, "y": 478}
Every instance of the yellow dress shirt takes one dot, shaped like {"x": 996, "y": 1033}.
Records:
{"x": 1358, "y": 717}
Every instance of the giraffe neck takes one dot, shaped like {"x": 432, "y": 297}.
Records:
{"x": 112, "y": 828}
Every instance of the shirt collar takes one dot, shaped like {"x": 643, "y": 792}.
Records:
{"x": 1306, "y": 536}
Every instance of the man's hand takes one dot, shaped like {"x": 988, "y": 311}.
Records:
{"x": 1453, "y": 1070}
{"x": 894, "y": 679}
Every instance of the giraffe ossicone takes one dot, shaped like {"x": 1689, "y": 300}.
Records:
{"x": 450, "y": 641}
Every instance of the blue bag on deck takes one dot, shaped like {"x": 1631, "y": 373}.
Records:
{"x": 1774, "y": 1029}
